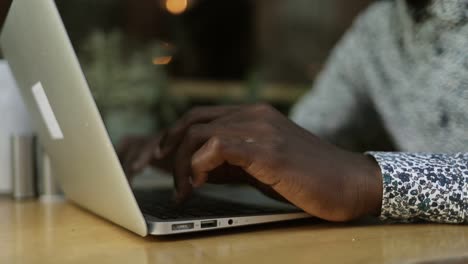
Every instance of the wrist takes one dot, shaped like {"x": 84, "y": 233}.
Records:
{"x": 373, "y": 187}
{"x": 370, "y": 186}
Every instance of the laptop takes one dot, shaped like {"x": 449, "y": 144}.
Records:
{"x": 39, "y": 52}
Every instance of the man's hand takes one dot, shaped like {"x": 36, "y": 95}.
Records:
{"x": 258, "y": 144}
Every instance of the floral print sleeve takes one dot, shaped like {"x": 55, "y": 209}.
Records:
{"x": 424, "y": 186}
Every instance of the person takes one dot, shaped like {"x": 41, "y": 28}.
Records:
{"x": 403, "y": 64}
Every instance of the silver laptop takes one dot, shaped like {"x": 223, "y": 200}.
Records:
{"x": 47, "y": 71}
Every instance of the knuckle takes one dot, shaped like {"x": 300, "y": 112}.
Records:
{"x": 216, "y": 143}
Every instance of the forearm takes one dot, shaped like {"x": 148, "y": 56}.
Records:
{"x": 424, "y": 186}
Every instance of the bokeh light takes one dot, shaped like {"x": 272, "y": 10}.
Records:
{"x": 176, "y": 7}
{"x": 163, "y": 60}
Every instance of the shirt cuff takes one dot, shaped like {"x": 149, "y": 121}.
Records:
{"x": 419, "y": 186}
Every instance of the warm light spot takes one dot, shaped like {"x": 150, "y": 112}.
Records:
{"x": 176, "y": 7}
{"x": 163, "y": 60}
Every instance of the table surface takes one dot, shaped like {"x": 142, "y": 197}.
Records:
{"x": 35, "y": 232}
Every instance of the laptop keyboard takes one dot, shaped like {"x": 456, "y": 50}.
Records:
{"x": 159, "y": 203}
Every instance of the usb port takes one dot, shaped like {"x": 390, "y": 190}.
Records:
{"x": 183, "y": 226}
{"x": 209, "y": 224}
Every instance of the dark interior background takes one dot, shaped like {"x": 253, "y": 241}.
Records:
{"x": 148, "y": 61}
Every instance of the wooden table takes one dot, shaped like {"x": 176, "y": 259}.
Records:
{"x": 33, "y": 232}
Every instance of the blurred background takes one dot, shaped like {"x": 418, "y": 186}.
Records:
{"x": 149, "y": 61}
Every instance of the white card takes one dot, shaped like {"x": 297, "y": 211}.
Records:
{"x": 46, "y": 111}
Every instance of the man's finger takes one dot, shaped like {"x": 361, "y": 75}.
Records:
{"x": 193, "y": 139}
{"x": 217, "y": 151}
{"x": 195, "y": 116}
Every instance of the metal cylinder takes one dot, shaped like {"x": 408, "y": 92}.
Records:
{"x": 49, "y": 189}
{"x": 22, "y": 154}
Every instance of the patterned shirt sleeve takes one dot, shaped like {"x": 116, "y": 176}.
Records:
{"x": 424, "y": 186}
